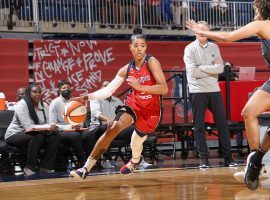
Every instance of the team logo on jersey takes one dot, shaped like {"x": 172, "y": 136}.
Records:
{"x": 143, "y": 79}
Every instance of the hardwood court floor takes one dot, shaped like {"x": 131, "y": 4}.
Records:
{"x": 161, "y": 183}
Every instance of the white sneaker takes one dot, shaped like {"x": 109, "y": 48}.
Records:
{"x": 28, "y": 172}
{"x": 240, "y": 176}
{"x": 143, "y": 164}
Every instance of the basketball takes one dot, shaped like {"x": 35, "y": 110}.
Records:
{"x": 75, "y": 113}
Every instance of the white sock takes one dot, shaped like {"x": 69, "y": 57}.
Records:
{"x": 90, "y": 163}
{"x": 136, "y": 145}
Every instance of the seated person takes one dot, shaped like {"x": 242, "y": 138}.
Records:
{"x": 29, "y": 129}
{"x": 228, "y": 68}
{"x": 70, "y": 138}
{"x": 19, "y": 95}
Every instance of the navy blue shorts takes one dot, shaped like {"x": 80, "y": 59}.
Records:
{"x": 266, "y": 86}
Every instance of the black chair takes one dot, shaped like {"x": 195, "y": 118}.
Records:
{"x": 10, "y": 156}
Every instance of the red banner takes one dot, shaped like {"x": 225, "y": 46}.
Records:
{"x": 14, "y": 66}
{"x": 87, "y": 63}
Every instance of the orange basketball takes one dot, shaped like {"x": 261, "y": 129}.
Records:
{"x": 75, "y": 113}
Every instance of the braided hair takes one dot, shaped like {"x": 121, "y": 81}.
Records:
{"x": 29, "y": 102}
{"x": 263, "y": 7}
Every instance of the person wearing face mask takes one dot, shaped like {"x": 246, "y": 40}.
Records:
{"x": 203, "y": 64}
{"x": 56, "y": 111}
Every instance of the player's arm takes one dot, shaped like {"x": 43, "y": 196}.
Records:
{"x": 160, "y": 88}
{"x": 246, "y": 31}
{"x": 107, "y": 91}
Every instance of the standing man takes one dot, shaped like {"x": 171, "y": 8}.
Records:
{"x": 203, "y": 64}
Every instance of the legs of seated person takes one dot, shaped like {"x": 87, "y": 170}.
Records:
{"x": 103, "y": 143}
{"x": 74, "y": 139}
{"x": 33, "y": 144}
{"x": 52, "y": 142}
{"x": 91, "y": 137}
{"x": 22, "y": 141}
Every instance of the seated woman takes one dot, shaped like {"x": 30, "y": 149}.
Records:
{"x": 29, "y": 128}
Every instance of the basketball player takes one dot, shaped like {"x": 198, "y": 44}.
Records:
{"x": 259, "y": 102}
{"x": 142, "y": 106}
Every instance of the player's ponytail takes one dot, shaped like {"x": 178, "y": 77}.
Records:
{"x": 137, "y": 34}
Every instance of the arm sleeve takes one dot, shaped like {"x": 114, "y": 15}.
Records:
{"x": 191, "y": 67}
{"x": 107, "y": 91}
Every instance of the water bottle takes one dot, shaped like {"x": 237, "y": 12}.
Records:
{"x": 2, "y": 101}
{"x": 113, "y": 164}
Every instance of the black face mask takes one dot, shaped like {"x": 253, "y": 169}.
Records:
{"x": 66, "y": 94}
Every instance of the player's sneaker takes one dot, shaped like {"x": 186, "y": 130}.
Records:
{"x": 252, "y": 175}
{"x": 80, "y": 173}
{"x": 240, "y": 176}
{"x": 130, "y": 167}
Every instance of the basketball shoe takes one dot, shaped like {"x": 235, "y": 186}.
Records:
{"x": 80, "y": 173}
{"x": 130, "y": 167}
{"x": 252, "y": 174}
{"x": 240, "y": 176}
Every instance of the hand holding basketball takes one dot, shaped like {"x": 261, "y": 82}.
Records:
{"x": 75, "y": 113}
{"x": 81, "y": 99}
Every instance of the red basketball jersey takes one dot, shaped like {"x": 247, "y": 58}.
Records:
{"x": 141, "y": 100}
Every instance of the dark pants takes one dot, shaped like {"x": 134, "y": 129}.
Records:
{"x": 74, "y": 139}
{"x": 99, "y": 131}
{"x": 212, "y": 101}
{"x": 33, "y": 142}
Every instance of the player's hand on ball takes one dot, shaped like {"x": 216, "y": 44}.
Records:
{"x": 76, "y": 127}
{"x": 54, "y": 127}
{"x": 81, "y": 99}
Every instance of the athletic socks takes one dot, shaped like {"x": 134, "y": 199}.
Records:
{"x": 135, "y": 160}
{"x": 258, "y": 156}
{"x": 90, "y": 163}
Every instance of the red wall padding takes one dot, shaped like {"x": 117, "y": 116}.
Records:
{"x": 87, "y": 63}
{"x": 14, "y": 66}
